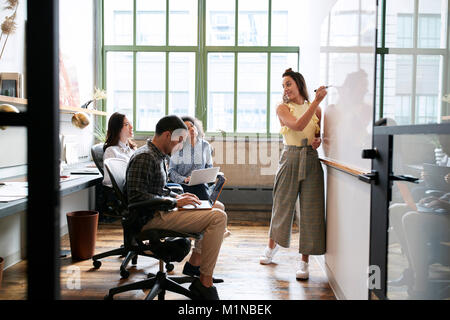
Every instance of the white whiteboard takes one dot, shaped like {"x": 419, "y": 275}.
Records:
{"x": 348, "y": 64}
{"x": 13, "y": 147}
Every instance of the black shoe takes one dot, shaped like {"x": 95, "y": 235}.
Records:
{"x": 190, "y": 270}
{"x": 202, "y": 292}
{"x": 194, "y": 271}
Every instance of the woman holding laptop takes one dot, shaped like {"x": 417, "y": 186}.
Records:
{"x": 196, "y": 154}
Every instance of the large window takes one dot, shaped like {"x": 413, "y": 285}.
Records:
{"x": 213, "y": 59}
{"x": 413, "y": 61}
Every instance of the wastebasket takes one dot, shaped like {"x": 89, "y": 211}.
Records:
{"x": 82, "y": 233}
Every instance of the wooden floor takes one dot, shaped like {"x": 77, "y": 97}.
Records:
{"x": 238, "y": 265}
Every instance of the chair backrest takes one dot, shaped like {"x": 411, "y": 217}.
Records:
{"x": 97, "y": 156}
{"x": 117, "y": 170}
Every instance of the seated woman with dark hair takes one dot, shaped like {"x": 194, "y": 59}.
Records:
{"x": 118, "y": 142}
{"x": 117, "y": 145}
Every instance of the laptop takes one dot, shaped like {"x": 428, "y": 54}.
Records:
{"x": 203, "y": 176}
{"x": 208, "y": 204}
{"x": 435, "y": 177}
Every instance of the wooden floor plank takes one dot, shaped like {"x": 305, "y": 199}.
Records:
{"x": 238, "y": 265}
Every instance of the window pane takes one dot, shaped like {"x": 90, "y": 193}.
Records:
{"x": 432, "y": 30}
{"x": 151, "y": 22}
{"x": 253, "y": 23}
{"x": 183, "y": 22}
{"x": 400, "y": 24}
{"x": 182, "y": 83}
{"x": 344, "y": 23}
{"x": 118, "y": 16}
{"x": 398, "y": 88}
{"x": 151, "y": 88}
{"x": 220, "y": 21}
{"x": 220, "y": 92}
{"x": 285, "y": 22}
{"x": 252, "y": 92}
{"x": 119, "y": 83}
{"x": 428, "y": 89}
{"x": 280, "y": 62}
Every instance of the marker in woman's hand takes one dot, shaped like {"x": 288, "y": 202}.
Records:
{"x": 325, "y": 88}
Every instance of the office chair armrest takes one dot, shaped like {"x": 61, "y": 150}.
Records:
{"x": 176, "y": 189}
{"x": 157, "y": 203}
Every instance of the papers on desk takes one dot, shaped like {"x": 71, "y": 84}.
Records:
{"x": 12, "y": 191}
{"x": 10, "y": 199}
{"x": 68, "y": 178}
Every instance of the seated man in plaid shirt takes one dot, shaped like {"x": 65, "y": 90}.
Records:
{"x": 147, "y": 178}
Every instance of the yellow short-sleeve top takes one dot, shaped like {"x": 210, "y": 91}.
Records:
{"x": 295, "y": 138}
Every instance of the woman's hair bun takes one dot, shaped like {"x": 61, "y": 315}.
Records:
{"x": 289, "y": 70}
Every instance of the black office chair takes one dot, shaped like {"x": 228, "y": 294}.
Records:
{"x": 117, "y": 208}
{"x": 97, "y": 156}
{"x": 105, "y": 201}
{"x": 105, "y": 198}
{"x": 165, "y": 245}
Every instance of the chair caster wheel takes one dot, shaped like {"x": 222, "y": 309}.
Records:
{"x": 97, "y": 264}
{"x": 169, "y": 267}
{"x": 124, "y": 274}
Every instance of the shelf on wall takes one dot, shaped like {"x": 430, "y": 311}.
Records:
{"x": 68, "y": 109}
{"x": 64, "y": 109}
{"x": 14, "y": 100}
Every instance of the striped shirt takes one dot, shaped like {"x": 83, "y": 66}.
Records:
{"x": 188, "y": 159}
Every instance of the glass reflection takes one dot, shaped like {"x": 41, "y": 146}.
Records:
{"x": 347, "y": 65}
{"x": 419, "y": 219}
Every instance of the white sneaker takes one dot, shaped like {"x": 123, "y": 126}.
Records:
{"x": 303, "y": 272}
{"x": 227, "y": 233}
{"x": 268, "y": 255}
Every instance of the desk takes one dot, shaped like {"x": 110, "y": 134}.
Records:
{"x": 67, "y": 187}
{"x": 75, "y": 195}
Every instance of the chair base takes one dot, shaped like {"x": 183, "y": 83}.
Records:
{"x": 158, "y": 286}
{"x": 129, "y": 256}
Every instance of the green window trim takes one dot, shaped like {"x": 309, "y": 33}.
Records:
{"x": 201, "y": 51}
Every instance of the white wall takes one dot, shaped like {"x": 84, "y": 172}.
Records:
{"x": 311, "y": 18}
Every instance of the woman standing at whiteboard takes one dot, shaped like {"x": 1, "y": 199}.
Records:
{"x": 299, "y": 174}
